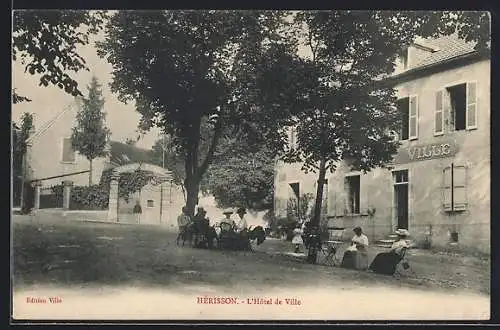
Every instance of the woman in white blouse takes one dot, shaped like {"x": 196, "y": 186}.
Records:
{"x": 356, "y": 255}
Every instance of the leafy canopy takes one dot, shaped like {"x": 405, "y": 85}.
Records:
{"x": 46, "y": 43}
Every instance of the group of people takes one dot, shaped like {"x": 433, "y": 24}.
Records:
{"x": 356, "y": 255}
{"x": 202, "y": 223}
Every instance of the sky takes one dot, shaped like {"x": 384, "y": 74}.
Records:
{"x": 122, "y": 119}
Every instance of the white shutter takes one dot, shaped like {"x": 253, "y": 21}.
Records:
{"x": 471, "y": 110}
{"x": 459, "y": 188}
{"x": 438, "y": 114}
{"x": 449, "y": 118}
{"x": 363, "y": 194}
{"x": 447, "y": 188}
{"x": 413, "y": 118}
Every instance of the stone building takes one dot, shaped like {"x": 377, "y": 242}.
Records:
{"x": 439, "y": 184}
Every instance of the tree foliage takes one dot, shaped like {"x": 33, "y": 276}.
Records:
{"x": 185, "y": 67}
{"x": 46, "y": 43}
{"x": 90, "y": 135}
{"x": 242, "y": 180}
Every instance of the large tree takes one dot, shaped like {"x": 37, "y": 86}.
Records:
{"x": 240, "y": 174}
{"x": 46, "y": 43}
{"x": 90, "y": 134}
{"x": 184, "y": 67}
{"x": 346, "y": 114}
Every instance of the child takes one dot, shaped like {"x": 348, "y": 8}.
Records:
{"x": 297, "y": 238}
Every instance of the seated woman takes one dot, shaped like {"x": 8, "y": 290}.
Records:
{"x": 356, "y": 256}
{"x": 386, "y": 262}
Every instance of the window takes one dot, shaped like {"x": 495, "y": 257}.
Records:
{"x": 462, "y": 102}
{"x": 408, "y": 107}
{"x": 352, "y": 184}
{"x": 401, "y": 176}
{"x": 454, "y": 188}
{"x": 68, "y": 154}
{"x": 150, "y": 203}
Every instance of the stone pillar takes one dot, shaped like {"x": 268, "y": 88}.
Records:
{"x": 113, "y": 198}
{"x": 36, "y": 202}
{"x": 66, "y": 194}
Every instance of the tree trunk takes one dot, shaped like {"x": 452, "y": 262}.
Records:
{"x": 312, "y": 254}
{"x": 90, "y": 173}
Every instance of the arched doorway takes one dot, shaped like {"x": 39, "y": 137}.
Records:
{"x": 153, "y": 197}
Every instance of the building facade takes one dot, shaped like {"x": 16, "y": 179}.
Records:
{"x": 438, "y": 186}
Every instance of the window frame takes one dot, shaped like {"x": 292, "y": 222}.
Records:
{"x": 399, "y": 135}
{"x": 147, "y": 203}
{"x": 447, "y": 106}
{"x": 347, "y": 185}
{"x": 62, "y": 151}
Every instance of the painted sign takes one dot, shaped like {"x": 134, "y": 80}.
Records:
{"x": 426, "y": 152}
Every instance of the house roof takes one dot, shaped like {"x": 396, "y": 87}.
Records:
{"x": 447, "y": 47}
{"x": 122, "y": 154}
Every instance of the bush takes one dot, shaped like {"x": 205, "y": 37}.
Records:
{"x": 85, "y": 197}
{"x": 89, "y": 198}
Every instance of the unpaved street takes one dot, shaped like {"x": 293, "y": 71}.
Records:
{"x": 118, "y": 271}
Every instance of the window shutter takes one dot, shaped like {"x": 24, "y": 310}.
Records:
{"x": 413, "y": 118}
{"x": 363, "y": 195}
{"x": 471, "y": 112}
{"x": 447, "y": 188}
{"x": 459, "y": 188}
{"x": 438, "y": 114}
{"x": 68, "y": 152}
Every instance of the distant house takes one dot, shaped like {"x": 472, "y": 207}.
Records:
{"x": 52, "y": 161}
{"x": 50, "y": 154}
{"x": 439, "y": 186}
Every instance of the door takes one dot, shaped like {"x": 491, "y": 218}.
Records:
{"x": 401, "y": 198}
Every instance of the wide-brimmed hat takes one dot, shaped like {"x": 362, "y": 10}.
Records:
{"x": 241, "y": 210}
{"x": 355, "y": 229}
{"x": 227, "y": 212}
{"x": 402, "y": 232}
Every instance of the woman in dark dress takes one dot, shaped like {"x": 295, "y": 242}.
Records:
{"x": 386, "y": 262}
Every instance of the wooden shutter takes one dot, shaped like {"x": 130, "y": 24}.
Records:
{"x": 447, "y": 188}
{"x": 363, "y": 194}
{"x": 438, "y": 114}
{"x": 459, "y": 188}
{"x": 413, "y": 118}
{"x": 471, "y": 110}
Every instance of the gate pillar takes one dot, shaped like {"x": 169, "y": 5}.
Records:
{"x": 36, "y": 201}
{"x": 113, "y": 198}
{"x": 67, "y": 194}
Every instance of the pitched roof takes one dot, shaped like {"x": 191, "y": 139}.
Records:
{"x": 447, "y": 48}
{"x": 122, "y": 154}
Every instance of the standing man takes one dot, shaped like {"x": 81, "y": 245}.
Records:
{"x": 183, "y": 221}
{"x": 137, "y": 211}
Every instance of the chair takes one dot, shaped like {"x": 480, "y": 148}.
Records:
{"x": 404, "y": 262}
{"x": 330, "y": 253}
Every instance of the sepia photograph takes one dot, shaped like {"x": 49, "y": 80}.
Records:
{"x": 250, "y": 165}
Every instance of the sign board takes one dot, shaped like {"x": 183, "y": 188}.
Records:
{"x": 415, "y": 153}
